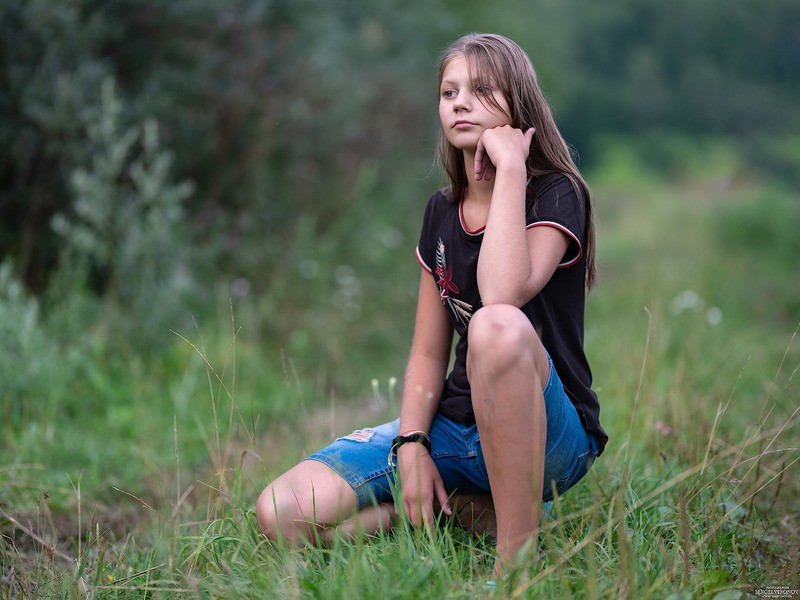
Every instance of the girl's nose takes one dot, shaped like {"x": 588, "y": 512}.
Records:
{"x": 463, "y": 101}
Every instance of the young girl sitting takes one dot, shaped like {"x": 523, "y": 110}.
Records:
{"x": 507, "y": 256}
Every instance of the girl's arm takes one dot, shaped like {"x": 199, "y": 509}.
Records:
{"x": 422, "y": 388}
{"x": 515, "y": 263}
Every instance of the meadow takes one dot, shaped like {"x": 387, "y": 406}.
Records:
{"x": 135, "y": 475}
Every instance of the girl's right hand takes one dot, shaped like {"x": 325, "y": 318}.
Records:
{"x": 498, "y": 144}
{"x": 421, "y": 483}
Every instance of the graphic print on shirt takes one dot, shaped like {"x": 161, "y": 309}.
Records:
{"x": 461, "y": 310}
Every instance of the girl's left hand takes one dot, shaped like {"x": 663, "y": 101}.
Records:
{"x": 499, "y": 145}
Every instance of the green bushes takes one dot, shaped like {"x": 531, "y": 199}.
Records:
{"x": 761, "y": 233}
{"x": 286, "y": 268}
{"x": 273, "y": 109}
{"x": 34, "y": 371}
{"x": 123, "y": 238}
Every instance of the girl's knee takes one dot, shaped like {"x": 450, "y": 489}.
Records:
{"x": 498, "y": 323}
{"x": 501, "y": 333}
{"x": 281, "y": 511}
{"x": 270, "y": 512}
{"x": 302, "y": 501}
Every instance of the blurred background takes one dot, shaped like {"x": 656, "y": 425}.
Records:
{"x": 238, "y": 186}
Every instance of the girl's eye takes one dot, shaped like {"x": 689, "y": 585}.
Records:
{"x": 448, "y": 94}
{"x": 483, "y": 90}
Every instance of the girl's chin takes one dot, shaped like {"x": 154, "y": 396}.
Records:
{"x": 467, "y": 143}
{"x": 464, "y": 147}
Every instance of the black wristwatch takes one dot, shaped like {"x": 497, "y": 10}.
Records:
{"x": 418, "y": 437}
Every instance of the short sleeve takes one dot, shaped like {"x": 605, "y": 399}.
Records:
{"x": 553, "y": 201}
{"x": 425, "y": 251}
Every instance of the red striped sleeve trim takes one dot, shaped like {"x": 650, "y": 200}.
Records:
{"x": 422, "y": 262}
{"x": 569, "y": 234}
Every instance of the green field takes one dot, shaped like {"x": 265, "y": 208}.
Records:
{"x": 208, "y": 212}
{"x": 135, "y": 475}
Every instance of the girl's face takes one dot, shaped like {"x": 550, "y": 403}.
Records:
{"x": 465, "y": 108}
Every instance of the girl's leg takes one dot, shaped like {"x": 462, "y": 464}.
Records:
{"x": 475, "y": 513}
{"x": 311, "y": 502}
{"x": 508, "y": 369}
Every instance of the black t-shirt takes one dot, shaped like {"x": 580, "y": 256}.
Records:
{"x": 449, "y": 252}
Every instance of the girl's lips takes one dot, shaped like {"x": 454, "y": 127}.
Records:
{"x": 463, "y": 124}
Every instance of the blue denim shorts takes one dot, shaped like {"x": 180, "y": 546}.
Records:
{"x": 361, "y": 458}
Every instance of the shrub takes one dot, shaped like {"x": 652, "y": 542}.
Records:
{"x": 122, "y": 238}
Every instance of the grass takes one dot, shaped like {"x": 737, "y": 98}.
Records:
{"x": 147, "y": 489}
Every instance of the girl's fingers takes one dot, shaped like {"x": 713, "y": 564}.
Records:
{"x": 411, "y": 512}
{"x": 480, "y": 157}
{"x": 484, "y": 166}
{"x": 441, "y": 496}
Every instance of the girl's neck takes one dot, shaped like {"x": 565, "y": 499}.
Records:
{"x": 479, "y": 192}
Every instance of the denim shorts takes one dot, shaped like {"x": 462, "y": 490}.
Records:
{"x": 361, "y": 458}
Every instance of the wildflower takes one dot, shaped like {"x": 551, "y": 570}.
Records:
{"x": 686, "y": 300}
{"x": 376, "y": 393}
{"x": 714, "y": 316}
{"x": 662, "y": 428}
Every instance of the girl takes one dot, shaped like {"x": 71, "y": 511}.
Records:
{"x": 507, "y": 255}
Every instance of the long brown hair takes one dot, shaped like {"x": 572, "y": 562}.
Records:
{"x": 503, "y": 64}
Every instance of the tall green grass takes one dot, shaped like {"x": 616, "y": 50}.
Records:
{"x": 692, "y": 335}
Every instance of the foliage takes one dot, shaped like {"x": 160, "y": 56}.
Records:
{"x": 51, "y": 66}
{"x": 646, "y": 65}
{"x": 762, "y": 230}
{"x": 131, "y": 456}
{"x": 693, "y": 496}
{"x": 273, "y": 108}
{"x": 124, "y": 233}
{"x": 33, "y": 370}
{"x": 262, "y": 103}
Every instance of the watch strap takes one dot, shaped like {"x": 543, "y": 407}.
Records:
{"x": 417, "y": 437}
